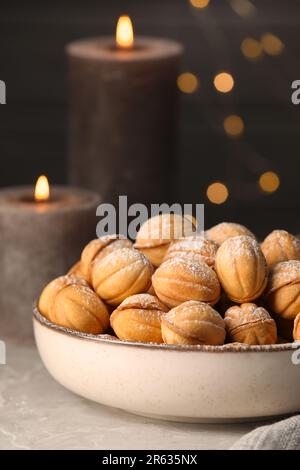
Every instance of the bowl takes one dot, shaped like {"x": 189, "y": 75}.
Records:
{"x": 228, "y": 383}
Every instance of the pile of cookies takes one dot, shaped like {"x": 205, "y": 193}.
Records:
{"x": 174, "y": 286}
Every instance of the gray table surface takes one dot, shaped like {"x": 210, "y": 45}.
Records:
{"x": 38, "y": 413}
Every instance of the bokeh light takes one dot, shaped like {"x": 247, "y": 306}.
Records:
{"x": 234, "y": 125}
{"x": 199, "y": 3}
{"x": 271, "y": 44}
{"x": 223, "y": 82}
{"x": 269, "y": 182}
{"x": 217, "y": 193}
{"x": 187, "y": 82}
{"x": 251, "y": 48}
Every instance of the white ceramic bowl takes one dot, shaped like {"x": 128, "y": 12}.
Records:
{"x": 180, "y": 383}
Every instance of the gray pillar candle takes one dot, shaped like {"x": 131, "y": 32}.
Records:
{"x": 38, "y": 242}
{"x": 123, "y": 117}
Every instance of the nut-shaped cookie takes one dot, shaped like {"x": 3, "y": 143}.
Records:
{"x": 241, "y": 268}
{"x": 193, "y": 322}
{"x": 283, "y": 290}
{"x": 151, "y": 290}
{"x": 138, "y": 318}
{"x": 197, "y": 249}
{"x": 120, "y": 274}
{"x": 178, "y": 280}
{"x": 155, "y": 235}
{"x": 250, "y": 324}
{"x": 78, "y": 307}
{"x": 296, "y": 332}
{"x": 221, "y": 232}
{"x": 99, "y": 248}
{"x": 51, "y": 290}
{"x": 279, "y": 246}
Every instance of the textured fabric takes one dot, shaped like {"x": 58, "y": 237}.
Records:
{"x": 284, "y": 435}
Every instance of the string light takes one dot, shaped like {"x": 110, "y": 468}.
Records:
{"x": 271, "y": 44}
{"x": 223, "y": 82}
{"x": 243, "y": 8}
{"x": 199, "y": 3}
{"x": 234, "y": 125}
{"x": 217, "y": 193}
{"x": 251, "y": 48}
{"x": 269, "y": 182}
{"x": 187, "y": 82}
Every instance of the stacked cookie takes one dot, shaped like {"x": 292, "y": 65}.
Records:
{"x": 177, "y": 287}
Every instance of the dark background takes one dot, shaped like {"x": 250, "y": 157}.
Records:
{"x": 33, "y": 124}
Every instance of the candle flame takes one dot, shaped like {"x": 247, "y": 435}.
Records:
{"x": 124, "y": 33}
{"x": 42, "y": 190}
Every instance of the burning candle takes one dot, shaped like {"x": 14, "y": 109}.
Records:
{"x": 123, "y": 114}
{"x": 42, "y": 189}
{"x": 124, "y": 33}
{"x": 43, "y": 231}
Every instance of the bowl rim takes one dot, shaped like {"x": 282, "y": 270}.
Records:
{"x": 106, "y": 338}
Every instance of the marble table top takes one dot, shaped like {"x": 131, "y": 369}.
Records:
{"x": 38, "y": 413}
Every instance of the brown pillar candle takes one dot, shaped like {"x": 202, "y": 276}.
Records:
{"x": 39, "y": 240}
{"x": 123, "y": 115}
